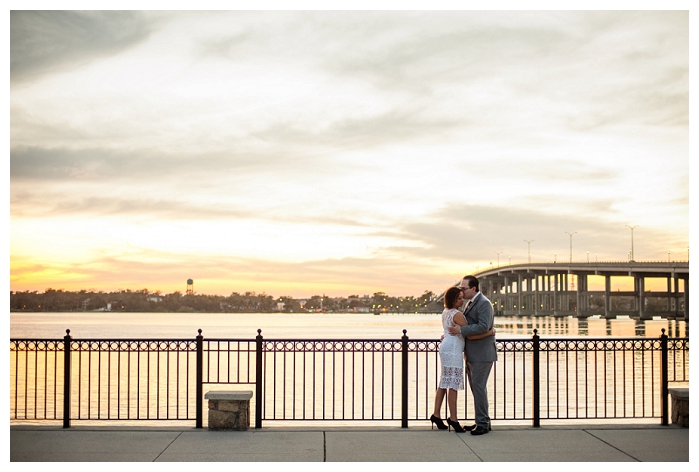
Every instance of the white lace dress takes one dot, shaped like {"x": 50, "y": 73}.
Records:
{"x": 451, "y": 354}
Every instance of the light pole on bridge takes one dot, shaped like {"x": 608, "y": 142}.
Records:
{"x": 632, "y": 227}
{"x": 529, "y": 253}
{"x": 498, "y": 253}
{"x": 571, "y": 244}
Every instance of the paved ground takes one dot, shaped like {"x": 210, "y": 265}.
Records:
{"x": 589, "y": 443}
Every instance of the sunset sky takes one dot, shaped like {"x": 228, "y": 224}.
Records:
{"x": 340, "y": 152}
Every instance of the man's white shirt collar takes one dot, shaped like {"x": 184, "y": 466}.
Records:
{"x": 471, "y": 301}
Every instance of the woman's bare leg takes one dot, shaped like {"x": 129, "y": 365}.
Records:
{"x": 438, "y": 398}
{"x": 451, "y": 402}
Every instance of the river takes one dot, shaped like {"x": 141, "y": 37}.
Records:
{"x": 314, "y": 326}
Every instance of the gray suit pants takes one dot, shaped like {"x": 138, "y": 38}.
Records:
{"x": 478, "y": 380}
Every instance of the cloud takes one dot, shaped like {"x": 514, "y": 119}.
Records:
{"x": 141, "y": 165}
{"x": 420, "y": 50}
{"x": 547, "y": 169}
{"x": 512, "y": 61}
{"x": 433, "y": 139}
{"x": 478, "y": 232}
{"x": 36, "y": 205}
{"x": 47, "y": 41}
{"x": 388, "y": 127}
{"x": 226, "y": 47}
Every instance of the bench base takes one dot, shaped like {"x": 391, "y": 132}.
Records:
{"x": 680, "y": 406}
{"x": 229, "y": 410}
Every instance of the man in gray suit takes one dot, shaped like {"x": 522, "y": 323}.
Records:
{"x": 480, "y": 353}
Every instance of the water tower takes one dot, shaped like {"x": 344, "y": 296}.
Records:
{"x": 190, "y": 287}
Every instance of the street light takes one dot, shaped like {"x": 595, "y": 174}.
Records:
{"x": 498, "y": 253}
{"x": 571, "y": 244}
{"x": 632, "y": 227}
{"x": 529, "y": 254}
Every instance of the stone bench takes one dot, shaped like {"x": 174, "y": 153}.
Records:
{"x": 229, "y": 410}
{"x": 680, "y": 406}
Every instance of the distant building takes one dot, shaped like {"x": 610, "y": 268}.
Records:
{"x": 360, "y": 304}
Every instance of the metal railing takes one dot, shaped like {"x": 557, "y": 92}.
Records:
{"x": 349, "y": 380}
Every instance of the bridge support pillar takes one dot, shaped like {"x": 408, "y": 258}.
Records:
{"x": 555, "y": 293}
{"x": 519, "y": 294}
{"x": 675, "y": 296}
{"x": 686, "y": 298}
{"x": 607, "y": 297}
{"x": 582, "y": 296}
{"x": 669, "y": 294}
{"x": 536, "y": 294}
{"x": 641, "y": 296}
{"x": 506, "y": 295}
{"x": 578, "y": 298}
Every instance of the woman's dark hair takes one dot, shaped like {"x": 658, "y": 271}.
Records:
{"x": 451, "y": 296}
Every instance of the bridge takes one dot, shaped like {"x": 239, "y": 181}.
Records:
{"x": 562, "y": 289}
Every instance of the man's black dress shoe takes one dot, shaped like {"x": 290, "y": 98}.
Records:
{"x": 479, "y": 430}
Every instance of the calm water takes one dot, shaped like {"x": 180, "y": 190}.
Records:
{"x": 312, "y": 326}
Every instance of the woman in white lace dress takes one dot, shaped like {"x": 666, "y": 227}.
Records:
{"x": 451, "y": 354}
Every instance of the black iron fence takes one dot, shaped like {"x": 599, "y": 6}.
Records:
{"x": 349, "y": 380}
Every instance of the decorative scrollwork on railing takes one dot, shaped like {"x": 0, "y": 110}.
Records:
{"x": 140, "y": 345}
{"x": 423, "y": 346}
{"x": 606, "y": 345}
{"x": 331, "y": 346}
{"x": 680, "y": 344}
{"x": 510, "y": 345}
{"x": 36, "y": 345}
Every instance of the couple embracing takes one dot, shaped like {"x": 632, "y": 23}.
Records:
{"x": 469, "y": 333}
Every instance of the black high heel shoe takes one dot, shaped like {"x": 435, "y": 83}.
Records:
{"x": 455, "y": 424}
{"x": 438, "y": 421}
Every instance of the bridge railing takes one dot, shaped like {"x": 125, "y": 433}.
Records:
{"x": 534, "y": 379}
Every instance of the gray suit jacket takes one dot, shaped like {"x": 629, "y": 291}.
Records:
{"x": 479, "y": 317}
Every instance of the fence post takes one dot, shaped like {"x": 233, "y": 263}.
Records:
{"x": 535, "y": 381}
{"x": 404, "y": 380}
{"x": 258, "y": 380}
{"x": 663, "y": 368}
{"x": 66, "y": 379}
{"x": 200, "y": 379}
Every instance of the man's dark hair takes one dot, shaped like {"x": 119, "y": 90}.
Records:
{"x": 451, "y": 296}
{"x": 472, "y": 282}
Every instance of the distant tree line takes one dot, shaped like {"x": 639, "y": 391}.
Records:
{"x": 145, "y": 301}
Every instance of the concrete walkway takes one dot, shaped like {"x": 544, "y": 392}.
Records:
{"x": 588, "y": 443}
